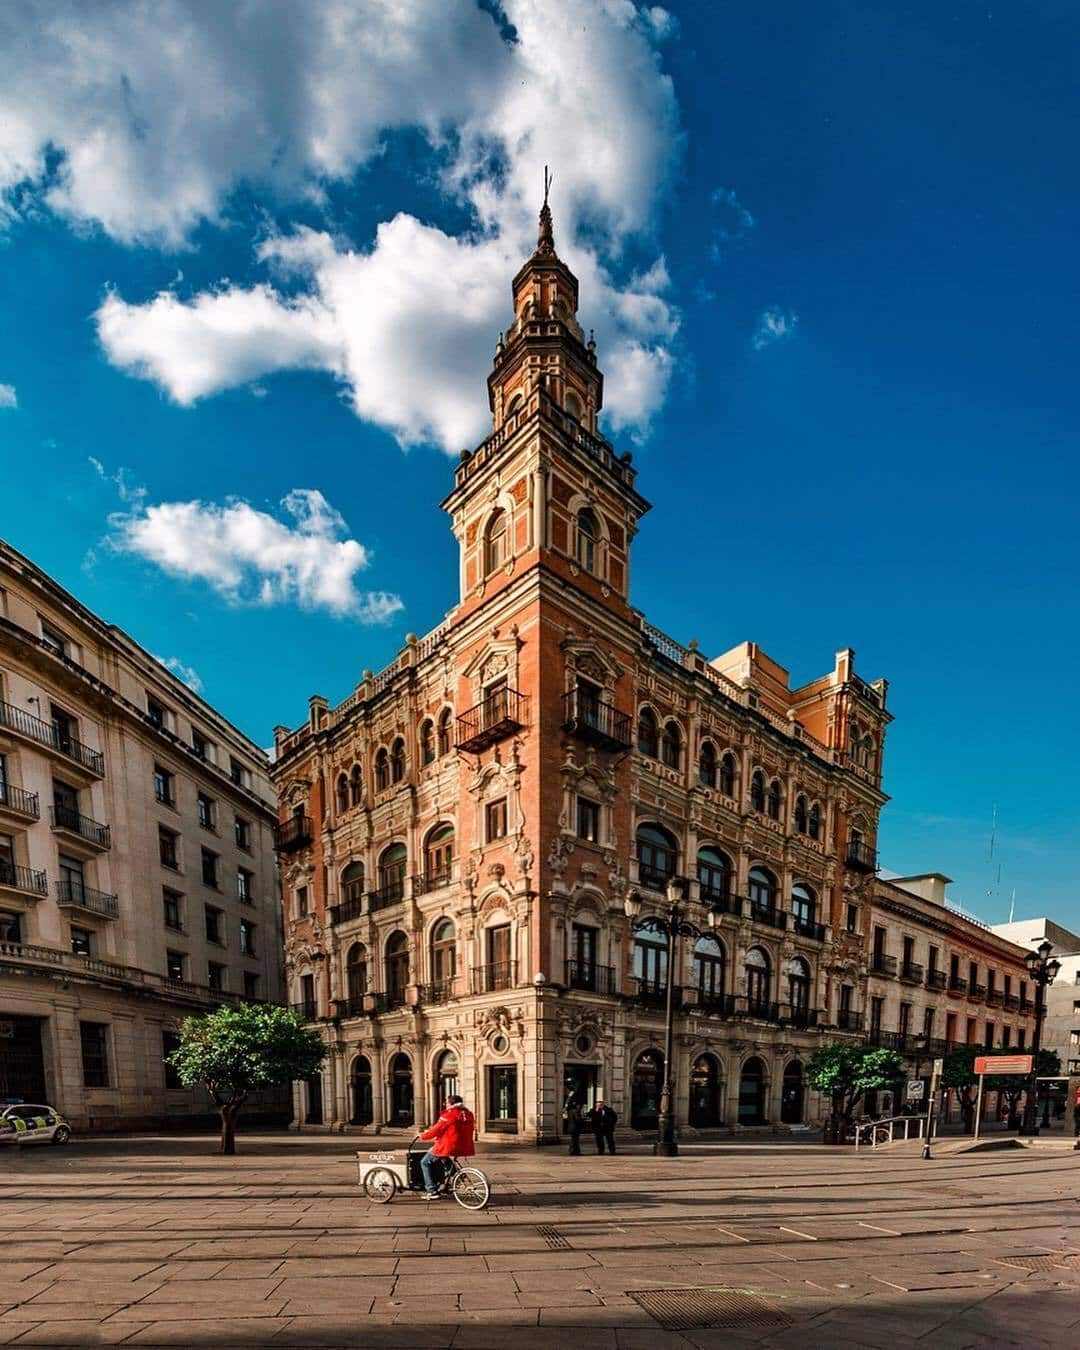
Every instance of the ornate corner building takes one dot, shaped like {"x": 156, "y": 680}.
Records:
{"x": 457, "y": 838}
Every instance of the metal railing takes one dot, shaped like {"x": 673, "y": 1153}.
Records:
{"x": 68, "y": 818}
{"x": 849, "y": 1020}
{"x": 293, "y": 834}
{"x": 346, "y": 911}
{"x": 498, "y": 716}
{"x": 653, "y": 878}
{"x": 26, "y": 879}
{"x": 308, "y": 1010}
{"x": 80, "y": 896}
{"x": 389, "y": 893}
{"x": 769, "y": 915}
{"x": 935, "y": 979}
{"x": 18, "y": 799}
{"x": 349, "y": 1007}
{"x": 439, "y": 991}
{"x": 795, "y": 1015}
{"x": 977, "y": 991}
{"x": 653, "y": 993}
{"x": 957, "y": 984}
{"x": 912, "y": 972}
{"x": 47, "y": 733}
{"x": 995, "y": 997}
{"x": 496, "y": 975}
{"x": 1012, "y": 1002}
{"x": 861, "y": 856}
{"x": 881, "y": 964}
{"x": 596, "y": 722}
{"x": 808, "y": 928}
{"x": 591, "y": 978}
{"x": 886, "y": 1131}
{"x": 425, "y": 882}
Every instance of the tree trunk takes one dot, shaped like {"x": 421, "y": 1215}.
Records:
{"x": 229, "y": 1116}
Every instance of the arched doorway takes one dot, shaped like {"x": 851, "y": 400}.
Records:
{"x": 792, "y": 1094}
{"x": 401, "y": 1090}
{"x": 446, "y": 1077}
{"x": 361, "y": 1100}
{"x": 752, "y": 1093}
{"x": 645, "y": 1089}
{"x": 705, "y": 1092}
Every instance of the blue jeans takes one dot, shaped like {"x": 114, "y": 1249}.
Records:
{"x": 432, "y": 1169}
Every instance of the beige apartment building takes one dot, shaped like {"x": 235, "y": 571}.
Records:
{"x": 138, "y": 882}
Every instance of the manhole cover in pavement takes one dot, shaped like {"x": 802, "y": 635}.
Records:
{"x": 552, "y": 1237}
{"x": 1039, "y": 1262}
{"x": 697, "y": 1309}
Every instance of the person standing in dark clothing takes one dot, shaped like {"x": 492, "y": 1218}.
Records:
{"x": 602, "y": 1120}
{"x": 574, "y": 1123}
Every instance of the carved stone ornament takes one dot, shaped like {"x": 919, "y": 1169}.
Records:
{"x": 562, "y": 846}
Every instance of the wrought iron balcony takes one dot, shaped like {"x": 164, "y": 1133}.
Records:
{"x": 350, "y": 1007}
{"x": 18, "y": 802}
{"x": 500, "y": 715}
{"x": 652, "y": 878}
{"x": 425, "y": 882}
{"x": 68, "y": 820}
{"x": 878, "y": 1036}
{"x": 51, "y": 736}
{"x": 497, "y": 975}
{"x": 794, "y": 1015}
{"x": 808, "y": 928}
{"x": 761, "y": 1009}
{"x": 653, "y": 993}
{"x": 1026, "y": 1005}
{"x": 75, "y": 895}
{"x": 24, "y": 879}
{"x": 861, "y": 857}
{"x": 881, "y": 964}
{"x": 293, "y": 834}
{"x": 346, "y": 911}
{"x": 391, "y": 892}
{"x": 995, "y": 997}
{"x": 911, "y": 972}
{"x": 766, "y": 914}
{"x": 715, "y": 1002}
{"x": 849, "y": 1020}
{"x": 935, "y": 979}
{"x": 1012, "y": 1002}
{"x": 720, "y": 899}
{"x": 591, "y": 978}
{"x": 957, "y": 984}
{"x": 977, "y": 991}
{"x": 596, "y": 722}
{"x": 306, "y": 1011}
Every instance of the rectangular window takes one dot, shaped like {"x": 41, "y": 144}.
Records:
{"x": 175, "y": 965}
{"x": 495, "y": 820}
{"x": 170, "y": 1043}
{"x": 236, "y": 771}
{"x": 56, "y": 642}
{"x": 93, "y": 1037}
{"x": 214, "y": 929}
{"x": 247, "y": 937}
{"x": 853, "y": 918}
{"x": 973, "y": 974}
{"x": 301, "y": 900}
{"x": 10, "y": 926}
{"x": 242, "y": 830}
{"x": 877, "y": 1010}
{"x": 972, "y": 1031}
{"x": 307, "y": 996}
{"x": 1006, "y": 1037}
{"x": 171, "y": 905}
{"x": 950, "y": 1028}
{"x": 82, "y": 942}
{"x": 928, "y": 1023}
{"x": 164, "y": 786}
{"x": 904, "y": 1025}
{"x": 1007, "y": 985}
{"x": 991, "y": 1030}
{"x": 251, "y": 984}
{"x": 245, "y": 885}
{"x": 167, "y": 848}
{"x": 588, "y": 820}
{"x": 207, "y": 811}
{"x": 909, "y": 951}
{"x": 156, "y": 712}
{"x": 215, "y": 976}
{"x": 991, "y": 978}
{"x": 846, "y": 992}
{"x": 932, "y": 963}
{"x": 1021, "y": 1038}
{"x": 199, "y": 744}
{"x": 502, "y": 1109}
{"x": 209, "y": 868}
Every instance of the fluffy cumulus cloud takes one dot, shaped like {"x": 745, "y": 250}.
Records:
{"x": 142, "y": 119}
{"x": 774, "y": 325}
{"x": 250, "y": 556}
{"x": 7, "y": 396}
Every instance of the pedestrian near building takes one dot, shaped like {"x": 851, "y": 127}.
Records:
{"x": 603, "y": 1119}
{"x": 574, "y": 1124}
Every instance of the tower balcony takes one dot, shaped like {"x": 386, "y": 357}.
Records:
{"x": 861, "y": 857}
{"x": 595, "y": 722}
{"x": 501, "y": 714}
{"x": 293, "y": 834}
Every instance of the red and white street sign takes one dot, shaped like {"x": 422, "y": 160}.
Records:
{"x": 1003, "y": 1063}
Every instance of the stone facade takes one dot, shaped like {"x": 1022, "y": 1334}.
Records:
{"x": 137, "y": 875}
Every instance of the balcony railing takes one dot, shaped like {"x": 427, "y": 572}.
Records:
{"x": 957, "y": 984}
{"x": 720, "y": 899}
{"x": 19, "y": 801}
{"x": 849, "y": 1020}
{"x": 1012, "y": 1002}
{"x": 653, "y": 993}
{"x": 389, "y": 893}
{"x": 911, "y": 972}
{"x": 439, "y": 991}
{"x": 716, "y": 1002}
{"x": 292, "y": 834}
{"x": 861, "y": 856}
{"x": 761, "y": 1009}
{"x": 437, "y": 880}
{"x": 935, "y": 979}
{"x": 794, "y": 1015}
{"x": 75, "y": 895}
{"x": 67, "y": 818}
{"x": 497, "y": 975}
{"x": 48, "y": 734}
{"x": 808, "y": 928}
{"x": 766, "y": 914}
{"x": 591, "y": 978}
{"x": 881, "y": 964}
{"x": 995, "y": 997}
{"x": 977, "y": 991}
{"x": 498, "y": 716}
{"x": 652, "y": 877}
{"x": 878, "y": 1036}
{"x": 595, "y": 722}
{"x": 1026, "y": 1005}
{"x": 347, "y": 910}
{"x": 350, "y": 1007}
{"x": 307, "y": 1011}
{"x": 16, "y": 878}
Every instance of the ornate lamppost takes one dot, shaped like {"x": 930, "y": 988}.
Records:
{"x": 673, "y": 926}
{"x": 1042, "y": 970}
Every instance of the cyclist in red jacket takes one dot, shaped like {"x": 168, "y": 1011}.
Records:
{"x": 454, "y": 1134}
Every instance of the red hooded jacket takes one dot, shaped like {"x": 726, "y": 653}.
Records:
{"x": 453, "y": 1133}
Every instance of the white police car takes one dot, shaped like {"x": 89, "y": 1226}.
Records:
{"x": 32, "y": 1123}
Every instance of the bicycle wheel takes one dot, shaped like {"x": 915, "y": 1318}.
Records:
{"x": 471, "y": 1188}
{"x": 380, "y": 1185}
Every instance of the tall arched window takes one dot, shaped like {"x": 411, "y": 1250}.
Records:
{"x": 757, "y": 791}
{"x": 427, "y": 741}
{"x": 573, "y": 406}
{"x": 392, "y": 863}
{"x": 496, "y": 542}
{"x": 772, "y": 800}
{"x": 802, "y": 815}
{"x": 714, "y": 875}
{"x": 709, "y": 962}
{"x": 658, "y": 856}
{"x": 648, "y": 734}
{"x": 854, "y": 740}
{"x": 757, "y": 980}
{"x": 443, "y": 737}
{"x": 382, "y": 770}
{"x": 813, "y": 823}
{"x": 588, "y": 539}
{"x": 356, "y": 786}
{"x": 798, "y": 974}
{"x": 356, "y": 975}
{"x": 803, "y": 909}
{"x": 670, "y": 745}
{"x": 352, "y": 888}
{"x": 360, "y": 1088}
{"x": 438, "y": 856}
{"x": 342, "y": 792}
{"x": 447, "y": 1080}
{"x": 761, "y": 885}
{"x": 397, "y": 968}
{"x": 397, "y": 761}
{"x": 443, "y": 960}
{"x": 727, "y": 774}
{"x": 867, "y": 750}
{"x": 707, "y": 764}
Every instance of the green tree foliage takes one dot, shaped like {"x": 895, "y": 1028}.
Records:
{"x": 844, "y": 1071}
{"x": 958, "y": 1073}
{"x": 236, "y": 1050}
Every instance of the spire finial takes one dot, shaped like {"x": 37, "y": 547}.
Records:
{"x": 546, "y": 242}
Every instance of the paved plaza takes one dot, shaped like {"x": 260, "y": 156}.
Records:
{"x": 159, "y": 1241}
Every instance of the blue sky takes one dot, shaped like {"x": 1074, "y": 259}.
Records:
{"x": 829, "y": 252}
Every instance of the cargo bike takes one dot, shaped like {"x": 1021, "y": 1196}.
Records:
{"x": 384, "y": 1172}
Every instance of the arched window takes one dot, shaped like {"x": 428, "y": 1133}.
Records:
{"x": 427, "y": 742}
{"x": 438, "y": 857}
{"x": 714, "y": 876}
{"x": 392, "y": 863}
{"x": 356, "y": 786}
{"x": 670, "y": 745}
{"x": 757, "y": 981}
{"x": 727, "y": 774}
{"x": 588, "y": 540}
{"x": 707, "y": 764}
{"x": 798, "y": 991}
{"x": 866, "y": 752}
{"x": 709, "y": 961}
{"x": 343, "y": 792}
{"x": 447, "y": 1079}
{"x": 803, "y": 910}
{"x": 657, "y": 855}
{"x": 648, "y": 734}
{"x": 382, "y": 770}
{"x": 356, "y": 976}
{"x": 802, "y": 818}
{"x": 496, "y": 542}
{"x": 397, "y": 761}
{"x": 443, "y": 738}
{"x": 352, "y": 889}
{"x": 757, "y": 791}
{"x": 854, "y": 740}
{"x": 762, "y": 888}
{"x": 772, "y": 801}
{"x": 360, "y": 1090}
{"x": 397, "y": 968}
{"x": 705, "y": 1112}
{"x": 573, "y": 407}
{"x": 813, "y": 824}
{"x": 443, "y": 960}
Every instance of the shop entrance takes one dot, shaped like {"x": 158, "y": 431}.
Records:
{"x": 22, "y": 1060}
{"x": 580, "y": 1082}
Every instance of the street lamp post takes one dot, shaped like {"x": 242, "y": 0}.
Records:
{"x": 1042, "y": 970}
{"x": 673, "y": 927}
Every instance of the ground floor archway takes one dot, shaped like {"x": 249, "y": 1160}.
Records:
{"x": 752, "y": 1093}
{"x": 361, "y": 1097}
{"x": 705, "y": 1110}
{"x": 401, "y": 1090}
{"x": 792, "y": 1094}
{"x": 645, "y": 1087}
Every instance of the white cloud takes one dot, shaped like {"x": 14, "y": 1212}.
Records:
{"x": 733, "y": 222}
{"x": 185, "y": 673}
{"x": 7, "y": 396}
{"x": 774, "y": 325}
{"x": 251, "y": 557}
